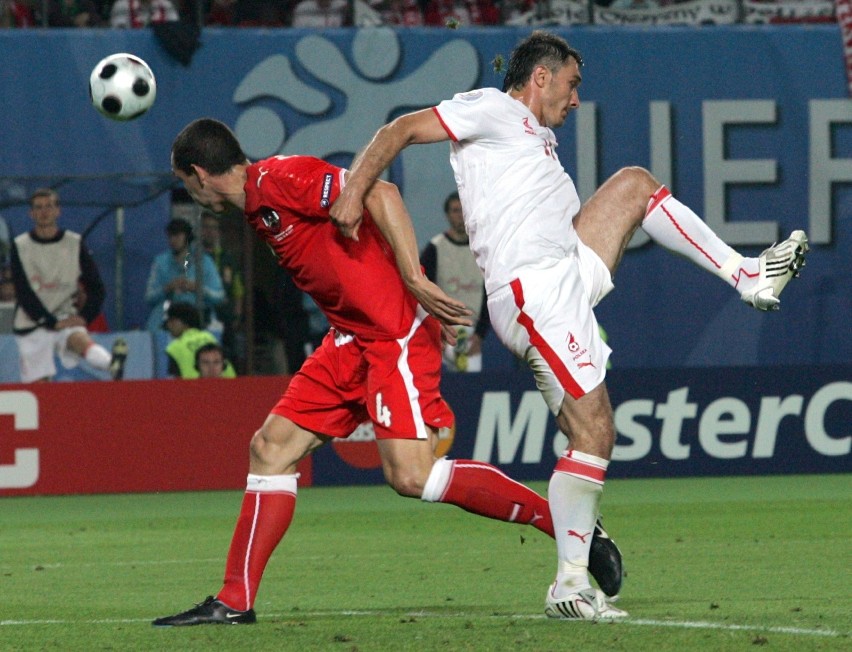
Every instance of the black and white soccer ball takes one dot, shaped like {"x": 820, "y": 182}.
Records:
{"x": 122, "y": 87}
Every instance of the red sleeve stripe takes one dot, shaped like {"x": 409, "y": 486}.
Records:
{"x": 553, "y": 360}
{"x": 444, "y": 125}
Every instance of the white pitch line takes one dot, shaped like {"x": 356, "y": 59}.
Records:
{"x": 642, "y": 622}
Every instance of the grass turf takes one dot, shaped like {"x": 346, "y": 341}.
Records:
{"x": 713, "y": 564}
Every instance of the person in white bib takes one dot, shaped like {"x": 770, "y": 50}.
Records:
{"x": 548, "y": 260}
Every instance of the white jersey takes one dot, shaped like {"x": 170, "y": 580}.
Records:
{"x": 519, "y": 203}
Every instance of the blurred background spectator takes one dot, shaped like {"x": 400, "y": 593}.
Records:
{"x": 74, "y": 13}
{"x": 134, "y": 14}
{"x": 322, "y": 13}
{"x": 16, "y": 13}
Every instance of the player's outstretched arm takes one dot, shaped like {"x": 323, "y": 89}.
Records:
{"x": 410, "y": 129}
{"x": 388, "y": 211}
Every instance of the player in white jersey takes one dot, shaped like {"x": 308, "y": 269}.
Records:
{"x": 547, "y": 261}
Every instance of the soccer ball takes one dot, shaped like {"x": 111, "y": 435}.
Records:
{"x": 122, "y": 87}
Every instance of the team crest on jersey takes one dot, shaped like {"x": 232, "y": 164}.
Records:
{"x": 270, "y": 219}
{"x": 326, "y": 189}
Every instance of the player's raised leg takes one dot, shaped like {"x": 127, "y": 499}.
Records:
{"x": 633, "y": 198}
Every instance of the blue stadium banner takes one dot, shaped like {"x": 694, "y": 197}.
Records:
{"x": 670, "y": 423}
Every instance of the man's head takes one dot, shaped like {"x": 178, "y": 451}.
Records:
{"x": 210, "y": 360}
{"x": 210, "y": 235}
{"x": 44, "y": 207}
{"x": 180, "y": 317}
{"x": 538, "y": 49}
{"x": 203, "y": 150}
{"x": 453, "y": 211}
{"x": 544, "y": 73}
{"x": 179, "y": 233}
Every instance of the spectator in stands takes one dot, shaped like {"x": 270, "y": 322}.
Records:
{"x": 47, "y": 264}
{"x": 449, "y": 263}
{"x": 461, "y": 13}
{"x": 73, "y": 13}
{"x": 173, "y": 276}
{"x": 7, "y": 288}
{"x": 222, "y": 13}
{"x": 134, "y": 14}
{"x": 183, "y": 322}
{"x": 230, "y": 311}
{"x": 322, "y": 13}
{"x": 16, "y": 13}
{"x": 210, "y": 361}
{"x": 403, "y": 13}
{"x": 263, "y": 13}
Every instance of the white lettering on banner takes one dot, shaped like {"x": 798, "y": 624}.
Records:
{"x": 724, "y": 426}
{"x": 495, "y": 423}
{"x": 720, "y": 173}
{"x": 23, "y": 406}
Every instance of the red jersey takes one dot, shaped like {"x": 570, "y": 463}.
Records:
{"x": 356, "y": 284}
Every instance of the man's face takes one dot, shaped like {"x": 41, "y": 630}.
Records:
{"x": 177, "y": 242}
{"x": 209, "y": 232}
{"x": 455, "y": 216}
{"x": 211, "y": 364}
{"x": 45, "y": 211}
{"x": 203, "y": 195}
{"x": 559, "y": 95}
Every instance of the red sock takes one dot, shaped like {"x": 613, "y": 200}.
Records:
{"x": 483, "y": 489}
{"x": 263, "y": 521}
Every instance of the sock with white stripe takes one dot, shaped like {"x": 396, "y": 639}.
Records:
{"x": 98, "y": 356}
{"x": 483, "y": 489}
{"x": 265, "y": 515}
{"x": 674, "y": 226}
{"x": 574, "y": 494}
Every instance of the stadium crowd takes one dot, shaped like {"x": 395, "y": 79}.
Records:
{"x": 135, "y": 14}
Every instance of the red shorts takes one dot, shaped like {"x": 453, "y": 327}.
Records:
{"x": 393, "y": 383}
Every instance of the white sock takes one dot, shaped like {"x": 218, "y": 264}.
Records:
{"x": 98, "y": 357}
{"x": 674, "y": 226}
{"x": 574, "y": 494}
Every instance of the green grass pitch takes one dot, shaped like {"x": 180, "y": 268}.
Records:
{"x": 713, "y": 564}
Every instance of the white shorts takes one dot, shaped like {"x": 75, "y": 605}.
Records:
{"x": 36, "y": 350}
{"x": 545, "y": 317}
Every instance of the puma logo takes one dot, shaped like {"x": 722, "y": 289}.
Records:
{"x": 581, "y": 537}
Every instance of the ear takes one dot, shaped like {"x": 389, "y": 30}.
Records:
{"x": 201, "y": 174}
{"x": 540, "y": 75}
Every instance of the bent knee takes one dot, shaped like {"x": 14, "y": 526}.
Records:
{"x": 408, "y": 485}
{"x": 637, "y": 179}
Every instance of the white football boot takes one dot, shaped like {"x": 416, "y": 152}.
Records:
{"x": 778, "y": 264}
{"x": 585, "y": 604}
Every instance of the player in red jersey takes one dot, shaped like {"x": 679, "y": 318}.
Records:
{"x": 380, "y": 361}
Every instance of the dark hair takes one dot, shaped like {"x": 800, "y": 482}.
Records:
{"x": 210, "y": 346}
{"x": 453, "y": 196}
{"x": 177, "y": 225}
{"x": 209, "y": 144}
{"x": 44, "y": 192}
{"x": 187, "y": 313}
{"x": 538, "y": 49}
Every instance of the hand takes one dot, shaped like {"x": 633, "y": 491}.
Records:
{"x": 346, "y": 214}
{"x": 69, "y": 322}
{"x": 450, "y": 312}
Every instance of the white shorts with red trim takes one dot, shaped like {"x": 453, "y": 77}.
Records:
{"x": 545, "y": 317}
